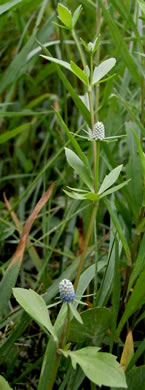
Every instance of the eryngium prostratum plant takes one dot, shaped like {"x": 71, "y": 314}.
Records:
{"x": 103, "y": 368}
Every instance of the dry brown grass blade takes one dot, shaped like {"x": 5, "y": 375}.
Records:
{"x": 23, "y": 240}
{"x": 31, "y": 249}
{"x": 13, "y": 215}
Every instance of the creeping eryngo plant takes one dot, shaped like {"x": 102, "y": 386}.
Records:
{"x": 101, "y": 368}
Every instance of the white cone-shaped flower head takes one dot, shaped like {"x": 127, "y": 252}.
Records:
{"x": 66, "y": 290}
{"x": 98, "y": 131}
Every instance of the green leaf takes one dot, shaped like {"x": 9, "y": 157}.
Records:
{"x": 142, "y": 5}
{"x": 101, "y": 368}
{"x": 76, "y": 15}
{"x": 74, "y": 195}
{"x": 72, "y": 67}
{"x": 48, "y": 364}
{"x": 8, "y": 6}
{"x": 16, "y": 67}
{"x": 103, "y": 69}
{"x": 79, "y": 103}
{"x": 56, "y": 61}
{"x": 96, "y": 321}
{"x": 135, "y": 378}
{"x": 110, "y": 179}
{"x": 35, "y": 306}
{"x": 79, "y": 73}
{"x": 4, "y": 384}
{"x": 119, "y": 229}
{"x": 134, "y": 167}
{"x": 116, "y": 293}
{"x": 140, "y": 151}
{"x": 72, "y": 139}
{"x": 75, "y": 162}
{"x": 12, "y": 133}
{"x": 91, "y": 196}
{"x": 65, "y": 15}
{"x": 119, "y": 39}
{"x": 136, "y": 301}
{"x": 114, "y": 189}
{"x": 96, "y": 43}
{"x": 139, "y": 264}
{"x": 84, "y": 44}
{"x": 75, "y": 313}
{"x": 106, "y": 286}
{"x": 6, "y": 284}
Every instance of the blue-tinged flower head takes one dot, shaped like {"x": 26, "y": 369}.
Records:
{"x": 66, "y": 290}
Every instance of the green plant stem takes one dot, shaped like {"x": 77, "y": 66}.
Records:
{"x": 92, "y": 126}
{"x": 90, "y": 228}
{"x": 68, "y": 325}
{"x": 62, "y": 341}
{"x": 79, "y": 48}
{"x": 54, "y": 373}
{"x": 98, "y": 25}
{"x": 97, "y": 164}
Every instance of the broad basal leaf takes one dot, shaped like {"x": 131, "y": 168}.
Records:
{"x": 4, "y": 384}
{"x": 101, "y": 368}
{"x": 96, "y": 321}
{"x": 35, "y": 306}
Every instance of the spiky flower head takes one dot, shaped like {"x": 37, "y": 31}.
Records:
{"x": 66, "y": 290}
{"x": 98, "y": 131}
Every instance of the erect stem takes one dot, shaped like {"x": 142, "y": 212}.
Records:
{"x": 79, "y": 48}
{"x": 90, "y": 228}
{"x": 97, "y": 164}
{"x": 62, "y": 341}
{"x": 56, "y": 365}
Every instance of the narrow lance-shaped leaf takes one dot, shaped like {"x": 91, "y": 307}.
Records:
{"x": 13, "y": 133}
{"x": 73, "y": 67}
{"x": 102, "y": 69}
{"x": 114, "y": 189}
{"x": 76, "y": 15}
{"x": 57, "y": 61}
{"x": 65, "y": 15}
{"x": 142, "y": 5}
{"x": 79, "y": 103}
{"x": 74, "y": 195}
{"x": 75, "y": 313}
{"x": 119, "y": 229}
{"x": 79, "y": 73}
{"x": 110, "y": 179}
{"x": 136, "y": 301}
{"x": 72, "y": 139}
{"x": 7, "y": 6}
{"x": 119, "y": 39}
{"x": 75, "y": 162}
